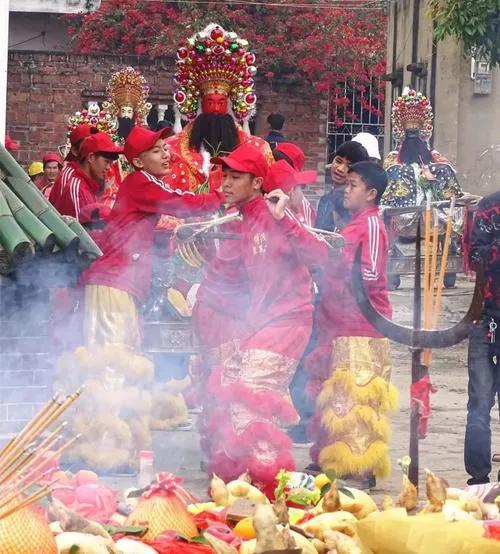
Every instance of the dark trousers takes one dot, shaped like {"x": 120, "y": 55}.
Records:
{"x": 483, "y": 362}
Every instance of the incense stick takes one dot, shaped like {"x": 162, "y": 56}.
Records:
{"x": 436, "y": 311}
{"x": 27, "y": 501}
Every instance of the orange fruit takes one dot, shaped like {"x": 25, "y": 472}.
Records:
{"x": 244, "y": 529}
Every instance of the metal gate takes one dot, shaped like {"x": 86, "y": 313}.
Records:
{"x": 362, "y": 119}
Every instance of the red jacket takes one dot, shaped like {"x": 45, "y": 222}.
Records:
{"x": 74, "y": 193}
{"x": 275, "y": 255}
{"x": 127, "y": 241}
{"x": 338, "y": 311}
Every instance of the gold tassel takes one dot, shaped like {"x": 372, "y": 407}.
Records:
{"x": 377, "y": 392}
{"x": 364, "y": 415}
{"x": 343, "y": 461}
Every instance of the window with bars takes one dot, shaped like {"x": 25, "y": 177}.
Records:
{"x": 353, "y": 109}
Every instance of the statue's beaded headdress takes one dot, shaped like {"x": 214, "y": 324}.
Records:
{"x": 215, "y": 61}
{"x": 128, "y": 87}
{"x": 411, "y": 110}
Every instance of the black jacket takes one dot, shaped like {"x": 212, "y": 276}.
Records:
{"x": 332, "y": 215}
{"x": 484, "y": 253}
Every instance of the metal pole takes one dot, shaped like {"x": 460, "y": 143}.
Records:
{"x": 416, "y": 367}
{"x": 4, "y": 54}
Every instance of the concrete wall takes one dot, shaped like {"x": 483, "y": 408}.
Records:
{"x": 467, "y": 126}
{"x": 25, "y": 30}
{"x": 52, "y": 6}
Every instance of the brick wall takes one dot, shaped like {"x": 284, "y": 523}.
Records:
{"x": 26, "y": 362}
{"x": 45, "y": 88}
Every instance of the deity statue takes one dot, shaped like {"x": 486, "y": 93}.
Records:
{"x": 216, "y": 96}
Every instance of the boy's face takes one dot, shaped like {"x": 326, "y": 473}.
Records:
{"x": 357, "y": 195}
{"x": 155, "y": 160}
{"x": 51, "y": 171}
{"x": 99, "y": 167}
{"x": 339, "y": 170}
{"x": 239, "y": 188}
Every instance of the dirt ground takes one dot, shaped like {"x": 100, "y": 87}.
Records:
{"x": 441, "y": 451}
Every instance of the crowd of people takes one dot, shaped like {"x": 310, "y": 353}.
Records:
{"x": 275, "y": 312}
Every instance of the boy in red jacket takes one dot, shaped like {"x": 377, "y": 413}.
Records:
{"x": 351, "y": 428}
{"x": 122, "y": 277}
{"x": 248, "y": 397}
{"x": 78, "y": 187}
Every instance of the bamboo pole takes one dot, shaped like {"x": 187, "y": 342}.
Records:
{"x": 436, "y": 311}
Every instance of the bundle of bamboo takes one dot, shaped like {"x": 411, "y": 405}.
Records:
{"x": 29, "y": 223}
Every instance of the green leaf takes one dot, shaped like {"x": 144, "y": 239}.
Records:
{"x": 135, "y": 530}
{"x": 347, "y": 492}
{"x": 74, "y": 549}
{"x": 283, "y": 478}
{"x": 199, "y": 539}
{"x": 304, "y": 497}
{"x": 325, "y": 489}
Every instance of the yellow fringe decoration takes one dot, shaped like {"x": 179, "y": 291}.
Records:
{"x": 366, "y": 415}
{"x": 377, "y": 392}
{"x": 340, "y": 458}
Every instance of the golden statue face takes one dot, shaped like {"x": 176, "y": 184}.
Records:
{"x": 127, "y": 111}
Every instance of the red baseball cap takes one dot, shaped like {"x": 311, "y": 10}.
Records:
{"x": 80, "y": 132}
{"x": 98, "y": 142}
{"x": 52, "y": 157}
{"x": 10, "y": 144}
{"x": 141, "y": 140}
{"x": 245, "y": 159}
{"x": 293, "y": 152}
{"x": 281, "y": 175}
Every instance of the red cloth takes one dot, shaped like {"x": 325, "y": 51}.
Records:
{"x": 127, "y": 241}
{"x": 223, "y": 296}
{"x": 421, "y": 400}
{"x": 73, "y": 191}
{"x": 337, "y": 308}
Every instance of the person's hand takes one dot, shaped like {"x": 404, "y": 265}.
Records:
{"x": 277, "y": 201}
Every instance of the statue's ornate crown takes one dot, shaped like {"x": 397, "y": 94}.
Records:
{"x": 215, "y": 61}
{"x": 412, "y": 110}
{"x": 128, "y": 87}
{"x": 94, "y": 116}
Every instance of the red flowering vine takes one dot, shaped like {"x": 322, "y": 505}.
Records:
{"x": 326, "y": 46}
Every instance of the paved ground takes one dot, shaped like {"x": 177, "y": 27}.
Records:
{"x": 441, "y": 451}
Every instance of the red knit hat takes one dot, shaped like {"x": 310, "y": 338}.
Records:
{"x": 245, "y": 159}
{"x": 79, "y": 133}
{"x": 293, "y": 153}
{"x": 141, "y": 140}
{"x": 282, "y": 176}
{"x": 52, "y": 157}
{"x": 98, "y": 142}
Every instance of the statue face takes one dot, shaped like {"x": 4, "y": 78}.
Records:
{"x": 214, "y": 103}
{"x": 127, "y": 111}
{"x": 94, "y": 109}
